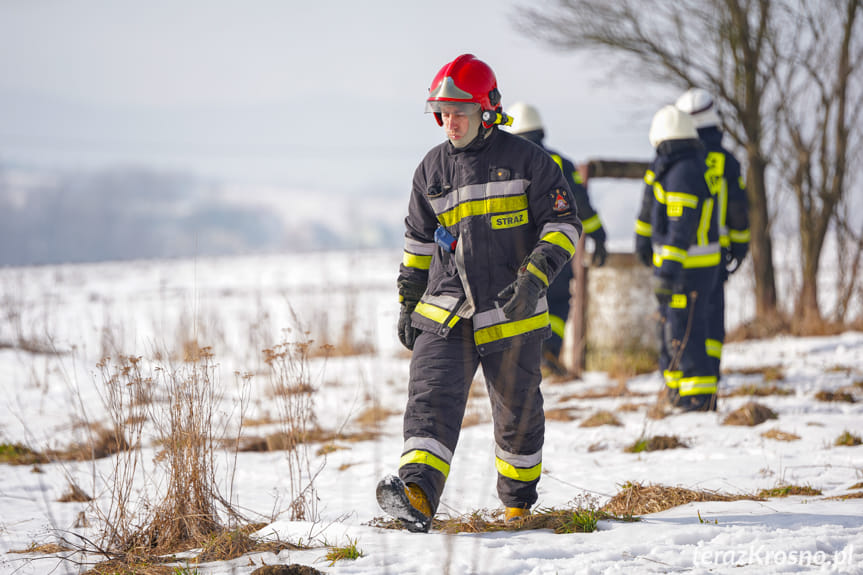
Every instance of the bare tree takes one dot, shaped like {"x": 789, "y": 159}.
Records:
{"x": 821, "y": 56}
{"x": 723, "y": 46}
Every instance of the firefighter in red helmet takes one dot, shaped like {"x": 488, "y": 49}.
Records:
{"x": 490, "y": 223}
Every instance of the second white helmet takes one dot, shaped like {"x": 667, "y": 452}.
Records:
{"x": 671, "y": 123}
{"x": 525, "y": 118}
{"x": 699, "y": 104}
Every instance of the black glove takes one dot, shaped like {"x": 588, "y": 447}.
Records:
{"x": 663, "y": 288}
{"x": 733, "y": 260}
{"x": 644, "y": 250}
{"x": 409, "y": 294}
{"x": 600, "y": 254}
{"x": 521, "y": 295}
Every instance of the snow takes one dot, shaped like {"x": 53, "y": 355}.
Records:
{"x": 239, "y": 306}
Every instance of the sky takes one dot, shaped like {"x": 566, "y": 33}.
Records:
{"x": 238, "y": 306}
{"x": 313, "y": 96}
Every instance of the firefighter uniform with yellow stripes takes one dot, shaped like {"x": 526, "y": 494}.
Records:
{"x": 490, "y": 223}
{"x": 729, "y": 191}
{"x": 527, "y": 123}
{"x": 678, "y": 218}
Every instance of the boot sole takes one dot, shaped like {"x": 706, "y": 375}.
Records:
{"x": 394, "y": 501}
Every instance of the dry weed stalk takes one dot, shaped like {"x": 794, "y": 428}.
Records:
{"x": 290, "y": 381}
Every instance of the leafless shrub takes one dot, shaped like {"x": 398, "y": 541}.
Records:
{"x": 74, "y": 494}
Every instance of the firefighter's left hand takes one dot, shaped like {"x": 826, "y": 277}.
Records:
{"x": 521, "y": 296}
{"x": 600, "y": 254}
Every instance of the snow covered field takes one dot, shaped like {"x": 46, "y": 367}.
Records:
{"x": 240, "y": 306}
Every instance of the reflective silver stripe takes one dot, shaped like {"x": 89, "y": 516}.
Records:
{"x": 433, "y": 446}
{"x": 568, "y": 230}
{"x": 446, "y": 302}
{"x": 419, "y": 248}
{"x": 467, "y": 308}
{"x": 520, "y": 461}
{"x": 495, "y": 316}
{"x": 478, "y": 192}
{"x": 711, "y": 248}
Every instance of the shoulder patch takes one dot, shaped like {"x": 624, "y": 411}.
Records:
{"x": 561, "y": 201}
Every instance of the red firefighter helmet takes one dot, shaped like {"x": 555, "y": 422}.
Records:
{"x": 468, "y": 83}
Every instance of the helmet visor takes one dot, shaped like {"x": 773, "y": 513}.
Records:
{"x": 452, "y": 108}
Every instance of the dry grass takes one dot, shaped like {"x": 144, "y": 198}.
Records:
{"x": 75, "y": 494}
{"x": 768, "y": 373}
{"x": 637, "y": 499}
{"x": 846, "y": 496}
{"x": 130, "y": 567}
{"x": 561, "y": 414}
{"x": 577, "y": 519}
{"x": 622, "y": 364}
{"x": 789, "y": 490}
{"x": 600, "y": 418}
{"x": 629, "y": 407}
{"x": 780, "y": 435}
{"x": 750, "y": 414}
{"x": 656, "y": 443}
{"x": 847, "y": 439}
{"x": 292, "y": 569}
{"x": 857, "y": 486}
{"x": 830, "y": 396}
{"x": 758, "y": 390}
{"x": 17, "y": 454}
{"x": 372, "y": 417}
{"x": 43, "y": 549}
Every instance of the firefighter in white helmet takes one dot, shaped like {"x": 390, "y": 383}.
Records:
{"x": 527, "y": 123}
{"x": 679, "y": 219}
{"x": 726, "y": 184}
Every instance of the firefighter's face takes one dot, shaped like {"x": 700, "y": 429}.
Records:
{"x": 456, "y": 124}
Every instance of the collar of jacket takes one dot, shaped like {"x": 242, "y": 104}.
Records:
{"x": 479, "y": 143}
{"x": 711, "y": 136}
{"x": 670, "y": 152}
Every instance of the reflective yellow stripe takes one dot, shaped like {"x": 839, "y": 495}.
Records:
{"x": 560, "y": 240}
{"x": 557, "y": 160}
{"x": 591, "y": 224}
{"x": 703, "y": 261}
{"x": 678, "y": 301}
{"x": 672, "y": 378}
{"x": 510, "y": 329}
{"x": 425, "y": 458}
{"x": 697, "y": 385}
{"x": 537, "y": 272}
{"x": 576, "y": 177}
{"x": 416, "y": 262}
{"x": 739, "y": 236}
{"x": 482, "y": 207}
{"x": 687, "y": 200}
{"x": 643, "y": 229}
{"x": 713, "y": 347}
{"x": 512, "y": 472}
{"x": 433, "y": 312}
{"x": 649, "y": 177}
{"x": 558, "y": 325}
{"x": 704, "y": 222}
{"x": 673, "y": 253}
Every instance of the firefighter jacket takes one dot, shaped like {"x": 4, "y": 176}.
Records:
{"x": 726, "y": 184}
{"x": 502, "y": 199}
{"x": 677, "y": 211}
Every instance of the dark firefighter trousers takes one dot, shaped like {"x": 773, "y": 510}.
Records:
{"x": 716, "y": 322}
{"x": 683, "y": 325}
{"x": 441, "y": 373}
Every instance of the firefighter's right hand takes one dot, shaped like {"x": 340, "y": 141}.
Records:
{"x": 520, "y": 296}
{"x": 407, "y": 332}
{"x": 644, "y": 250}
{"x": 663, "y": 288}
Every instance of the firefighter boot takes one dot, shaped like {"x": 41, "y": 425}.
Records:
{"x": 407, "y": 503}
{"x": 513, "y": 514}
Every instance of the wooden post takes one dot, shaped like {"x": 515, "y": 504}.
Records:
{"x": 576, "y": 334}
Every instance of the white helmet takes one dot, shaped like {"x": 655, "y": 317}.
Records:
{"x": 699, "y": 104}
{"x": 525, "y": 118}
{"x": 670, "y": 123}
